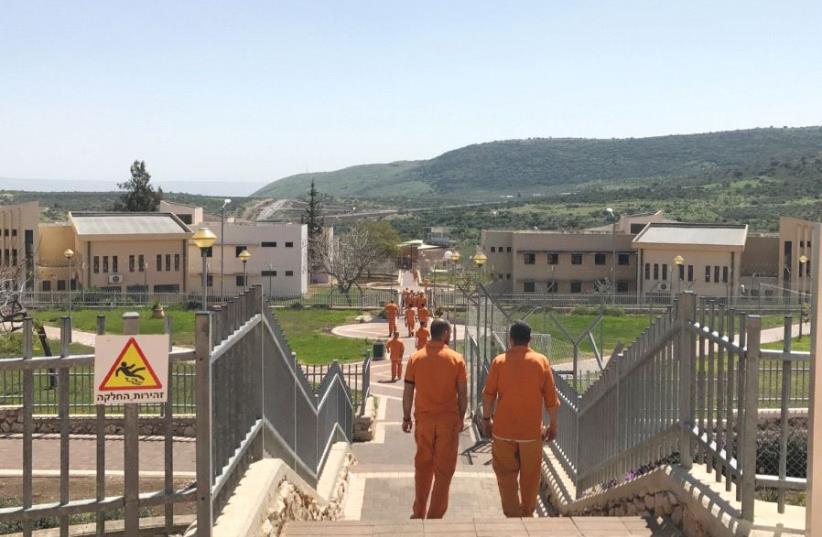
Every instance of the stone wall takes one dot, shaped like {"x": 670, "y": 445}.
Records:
{"x": 364, "y": 424}
{"x": 11, "y": 421}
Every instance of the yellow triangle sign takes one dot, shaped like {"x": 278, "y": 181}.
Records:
{"x": 131, "y": 371}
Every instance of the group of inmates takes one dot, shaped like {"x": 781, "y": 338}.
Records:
{"x": 519, "y": 384}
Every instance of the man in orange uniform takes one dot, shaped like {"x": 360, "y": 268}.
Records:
{"x": 420, "y": 300}
{"x": 437, "y": 375}
{"x": 519, "y": 383}
{"x": 423, "y": 335}
{"x": 410, "y": 319}
{"x": 423, "y": 314}
{"x": 405, "y": 294}
{"x": 391, "y": 311}
{"x": 396, "y": 349}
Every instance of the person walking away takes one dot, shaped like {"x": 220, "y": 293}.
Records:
{"x": 424, "y": 314}
{"x": 519, "y": 383}
{"x": 436, "y": 386}
{"x": 410, "y": 320}
{"x": 396, "y": 350}
{"x": 391, "y": 311}
{"x": 423, "y": 335}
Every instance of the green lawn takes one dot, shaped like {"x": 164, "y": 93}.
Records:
{"x": 803, "y": 344}
{"x": 11, "y": 346}
{"x": 308, "y": 331}
{"x": 182, "y": 321}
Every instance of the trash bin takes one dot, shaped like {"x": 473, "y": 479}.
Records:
{"x": 378, "y": 351}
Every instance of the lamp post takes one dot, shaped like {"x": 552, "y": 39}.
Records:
{"x": 222, "y": 246}
{"x": 244, "y": 256}
{"x": 613, "y": 218}
{"x": 679, "y": 261}
{"x": 270, "y": 281}
{"x": 803, "y": 276}
{"x": 69, "y": 254}
{"x": 204, "y": 239}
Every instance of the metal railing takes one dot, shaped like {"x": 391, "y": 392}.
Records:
{"x": 253, "y": 399}
{"x": 132, "y": 500}
{"x": 357, "y": 377}
{"x": 367, "y": 299}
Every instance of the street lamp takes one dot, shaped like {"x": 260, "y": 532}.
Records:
{"x": 204, "y": 239}
{"x": 244, "y": 256}
{"x": 679, "y": 261}
{"x": 803, "y": 271}
{"x": 222, "y": 246}
{"x": 69, "y": 254}
{"x": 613, "y": 219}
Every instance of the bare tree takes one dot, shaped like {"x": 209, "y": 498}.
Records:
{"x": 348, "y": 258}
{"x": 11, "y": 287}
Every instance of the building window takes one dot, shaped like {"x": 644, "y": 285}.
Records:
{"x": 707, "y": 273}
{"x": 725, "y": 274}
{"x": 599, "y": 259}
{"x": 507, "y": 249}
{"x": 530, "y": 259}
{"x": 493, "y": 249}
{"x": 141, "y": 263}
{"x": 209, "y": 280}
{"x": 552, "y": 286}
{"x": 289, "y": 244}
{"x": 13, "y": 232}
{"x": 238, "y": 250}
{"x": 508, "y": 276}
{"x": 159, "y": 262}
{"x": 185, "y": 218}
{"x": 553, "y": 259}
{"x": 45, "y": 285}
{"x": 656, "y": 271}
{"x": 270, "y": 273}
{"x": 647, "y": 271}
{"x": 528, "y": 287}
{"x": 167, "y": 288}
{"x": 96, "y": 264}
{"x": 576, "y": 259}
{"x": 168, "y": 262}
{"x": 105, "y": 264}
{"x": 622, "y": 286}
{"x": 115, "y": 264}
{"x": 624, "y": 259}
{"x": 289, "y": 272}
{"x": 131, "y": 263}
{"x": 61, "y": 285}
{"x": 176, "y": 262}
{"x": 681, "y": 272}
{"x": 576, "y": 287}
{"x": 690, "y": 273}
{"x": 665, "y": 271}
{"x": 269, "y": 244}
{"x": 716, "y": 273}
{"x": 240, "y": 281}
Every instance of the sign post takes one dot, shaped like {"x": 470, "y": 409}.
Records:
{"x": 131, "y": 369}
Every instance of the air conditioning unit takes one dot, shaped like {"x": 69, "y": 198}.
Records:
{"x": 663, "y": 286}
{"x": 115, "y": 278}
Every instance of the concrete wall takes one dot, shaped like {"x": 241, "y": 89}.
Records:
{"x": 699, "y": 258}
{"x": 794, "y": 241}
{"x": 17, "y": 222}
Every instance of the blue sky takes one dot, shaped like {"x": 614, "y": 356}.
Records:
{"x": 247, "y": 92}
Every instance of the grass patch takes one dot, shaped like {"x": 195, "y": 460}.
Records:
{"x": 308, "y": 332}
{"x": 182, "y": 321}
{"x": 11, "y": 346}
{"x": 797, "y": 344}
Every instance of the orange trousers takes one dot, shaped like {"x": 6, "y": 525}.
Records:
{"x": 411, "y": 324}
{"x": 517, "y": 465}
{"x": 435, "y": 461}
{"x": 396, "y": 369}
{"x": 392, "y": 326}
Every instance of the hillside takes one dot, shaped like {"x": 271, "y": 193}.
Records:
{"x": 552, "y": 165}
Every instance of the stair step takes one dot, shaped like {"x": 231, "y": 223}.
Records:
{"x": 513, "y": 527}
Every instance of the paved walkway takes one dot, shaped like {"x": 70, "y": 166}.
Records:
{"x": 86, "y": 338}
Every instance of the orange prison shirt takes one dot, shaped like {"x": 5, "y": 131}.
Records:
{"x": 435, "y": 371}
{"x": 521, "y": 380}
{"x": 410, "y": 315}
{"x": 396, "y": 349}
{"x": 391, "y": 311}
{"x": 423, "y": 335}
{"x": 423, "y": 314}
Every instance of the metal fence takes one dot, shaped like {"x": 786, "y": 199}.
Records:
{"x": 254, "y": 400}
{"x": 696, "y": 386}
{"x": 357, "y": 377}
{"x": 29, "y": 368}
{"x": 356, "y": 299}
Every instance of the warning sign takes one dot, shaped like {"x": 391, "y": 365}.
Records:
{"x": 131, "y": 369}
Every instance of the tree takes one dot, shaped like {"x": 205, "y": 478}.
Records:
{"x": 348, "y": 258}
{"x": 385, "y": 236}
{"x": 314, "y": 220}
{"x": 139, "y": 195}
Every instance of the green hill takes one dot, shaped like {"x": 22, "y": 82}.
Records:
{"x": 553, "y": 165}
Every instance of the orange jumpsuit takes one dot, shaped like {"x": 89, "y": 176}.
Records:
{"x": 423, "y": 314}
{"x": 396, "y": 349}
{"x": 435, "y": 372}
{"x": 410, "y": 320}
{"x": 391, "y": 311}
{"x": 423, "y": 335}
{"x": 421, "y": 300}
{"x": 521, "y": 381}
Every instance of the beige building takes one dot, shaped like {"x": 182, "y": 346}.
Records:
{"x": 18, "y": 242}
{"x": 795, "y": 241}
{"x": 711, "y": 258}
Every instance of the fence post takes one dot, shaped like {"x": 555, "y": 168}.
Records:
{"x": 748, "y": 480}
{"x": 131, "y": 445}
{"x": 813, "y": 509}
{"x": 101, "y": 444}
{"x": 202, "y": 356}
{"x": 685, "y": 310}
